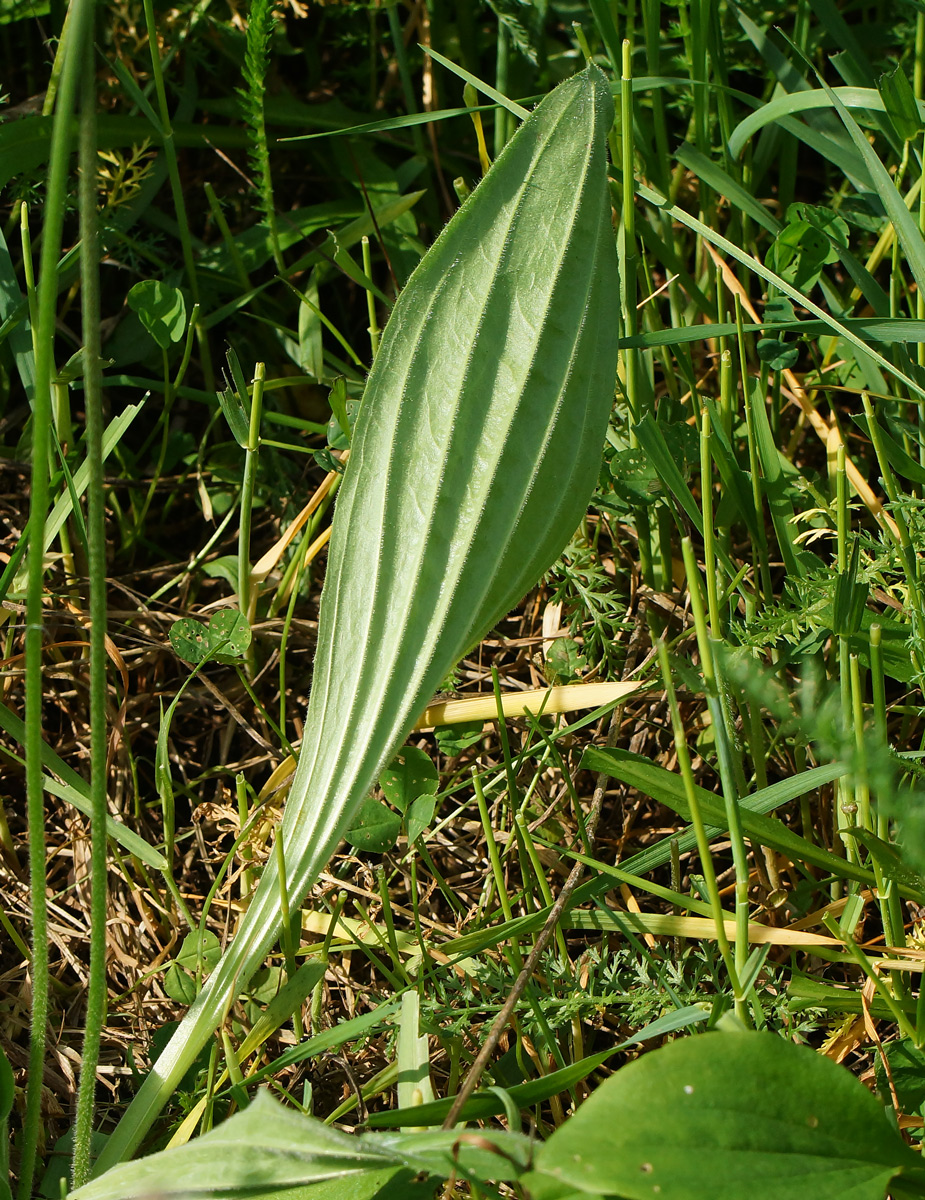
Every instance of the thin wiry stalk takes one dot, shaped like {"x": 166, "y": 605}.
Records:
{"x": 176, "y": 185}
{"x": 247, "y": 594}
{"x": 78, "y": 25}
{"x": 96, "y": 557}
{"x": 170, "y": 151}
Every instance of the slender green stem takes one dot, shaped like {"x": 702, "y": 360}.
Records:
{"x": 28, "y": 272}
{"x": 78, "y": 27}
{"x": 582, "y": 41}
{"x": 170, "y": 149}
{"x": 842, "y": 527}
{"x": 629, "y": 257}
{"x": 861, "y": 789}
{"x": 286, "y": 933}
{"x": 318, "y": 993}
{"x": 169, "y": 397}
{"x": 247, "y": 593}
{"x": 724, "y": 755}
{"x": 496, "y": 869}
{"x": 502, "y": 60}
{"x": 240, "y": 787}
{"x": 370, "y": 301}
{"x": 522, "y": 831}
{"x": 844, "y": 791}
{"x": 96, "y": 540}
{"x": 890, "y": 902}
{"x": 176, "y": 184}
{"x": 760, "y": 541}
{"x": 700, "y": 833}
{"x": 228, "y": 237}
{"x": 628, "y": 225}
{"x": 389, "y": 919}
{"x": 706, "y": 499}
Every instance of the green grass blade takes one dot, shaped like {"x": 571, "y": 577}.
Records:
{"x": 11, "y": 299}
{"x": 724, "y": 185}
{"x": 479, "y": 84}
{"x": 668, "y": 789}
{"x": 716, "y": 239}
{"x": 775, "y": 487}
{"x": 801, "y": 102}
{"x": 76, "y": 791}
{"x": 64, "y": 505}
{"x": 887, "y": 330}
{"x": 408, "y": 121}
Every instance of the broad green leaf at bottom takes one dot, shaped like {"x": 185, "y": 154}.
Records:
{"x": 726, "y": 1116}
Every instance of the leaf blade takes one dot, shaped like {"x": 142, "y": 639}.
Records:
{"x": 472, "y": 461}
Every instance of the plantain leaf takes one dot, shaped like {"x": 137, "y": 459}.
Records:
{"x": 473, "y": 457}
{"x": 266, "y": 1144}
{"x": 729, "y": 1115}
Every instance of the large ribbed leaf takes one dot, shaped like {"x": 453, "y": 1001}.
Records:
{"x": 475, "y": 452}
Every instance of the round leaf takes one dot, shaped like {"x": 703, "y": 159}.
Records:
{"x": 453, "y": 739}
{"x": 634, "y": 478}
{"x": 179, "y": 985}
{"x": 161, "y": 309}
{"x": 777, "y": 354}
{"x": 207, "y": 950}
{"x": 190, "y": 640}
{"x": 564, "y": 660}
{"x": 722, "y": 1116}
{"x": 227, "y": 637}
{"x": 410, "y": 774}
{"x": 779, "y": 308}
{"x": 229, "y": 632}
{"x": 827, "y": 222}
{"x": 376, "y": 827}
{"x": 419, "y": 815}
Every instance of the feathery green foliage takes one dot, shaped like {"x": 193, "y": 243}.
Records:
{"x": 261, "y": 23}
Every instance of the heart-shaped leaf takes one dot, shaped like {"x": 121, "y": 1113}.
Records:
{"x": 453, "y": 739}
{"x": 230, "y": 632}
{"x": 777, "y": 353}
